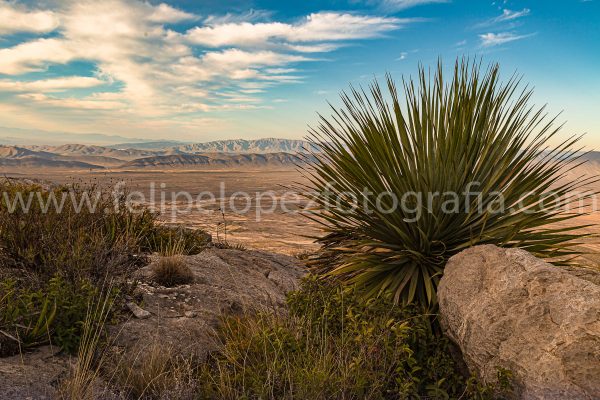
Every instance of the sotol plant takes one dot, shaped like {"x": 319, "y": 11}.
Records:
{"x": 437, "y": 141}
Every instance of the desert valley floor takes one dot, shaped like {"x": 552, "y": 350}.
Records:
{"x": 278, "y": 231}
{"x": 287, "y": 232}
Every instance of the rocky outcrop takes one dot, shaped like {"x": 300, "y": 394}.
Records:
{"x": 180, "y": 319}
{"x": 32, "y": 375}
{"x": 506, "y": 308}
{"x": 183, "y": 318}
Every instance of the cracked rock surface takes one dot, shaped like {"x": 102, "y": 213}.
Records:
{"x": 506, "y": 308}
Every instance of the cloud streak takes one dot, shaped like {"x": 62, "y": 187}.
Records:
{"x": 319, "y": 27}
{"x": 509, "y": 15}
{"x": 51, "y": 85}
{"x": 497, "y": 39}
{"x": 399, "y": 5}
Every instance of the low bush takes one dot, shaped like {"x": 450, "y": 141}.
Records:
{"x": 171, "y": 271}
{"x": 334, "y": 345}
{"x": 59, "y": 246}
{"x": 91, "y": 236}
{"x": 52, "y": 314}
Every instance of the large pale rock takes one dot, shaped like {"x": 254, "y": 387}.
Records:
{"x": 226, "y": 281}
{"x": 506, "y": 308}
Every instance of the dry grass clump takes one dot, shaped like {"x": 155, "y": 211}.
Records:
{"x": 172, "y": 271}
{"x": 155, "y": 371}
{"x": 170, "y": 240}
{"x": 82, "y": 381}
{"x": 223, "y": 244}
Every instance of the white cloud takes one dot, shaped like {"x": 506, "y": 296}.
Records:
{"x": 319, "y": 27}
{"x": 166, "y": 14}
{"x": 495, "y": 39}
{"x": 509, "y": 15}
{"x": 14, "y": 19}
{"x": 398, "y": 5}
{"x": 50, "y": 85}
{"x": 35, "y": 55}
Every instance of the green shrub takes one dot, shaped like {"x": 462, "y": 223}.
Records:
{"x": 54, "y": 314}
{"x": 57, "y": 250}
{"x": 439, "y": 140}
{"x": 334, "y": 345}
{"x": 86, "y": 243}
{"x": 59, "y": 246}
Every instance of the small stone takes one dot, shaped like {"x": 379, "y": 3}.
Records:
{"x": 190, "y": 314}
{"x": 137, "y": 311}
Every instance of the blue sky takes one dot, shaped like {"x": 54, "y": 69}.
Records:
{"x": 205, "y": 70}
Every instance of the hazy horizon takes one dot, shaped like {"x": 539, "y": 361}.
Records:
{"x": 125, "y": 71}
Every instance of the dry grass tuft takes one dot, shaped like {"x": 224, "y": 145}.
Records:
{"x": 155, "y": 371}
{"x": 82, "y": 381}
{"x": 172, "y": 271}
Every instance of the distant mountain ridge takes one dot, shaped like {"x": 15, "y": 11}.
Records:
{"x": 14, "y": 156}
{"x": 216, "y": 160}
{"x": 258, "y": 146}
{"x": 93, "y": 150}
{"x": 146, "y": 149}
{"x": 224, "y": 153}
{"x": 268, "y": 153}
{"x": 158, "y": 145}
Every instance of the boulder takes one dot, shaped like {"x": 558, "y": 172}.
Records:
{"x": 506, "y": 308}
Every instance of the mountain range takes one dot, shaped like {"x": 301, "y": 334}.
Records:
{"x": 163, "y": 154}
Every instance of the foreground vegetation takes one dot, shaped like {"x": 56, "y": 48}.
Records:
{"x": 330, "y": 344}
{"x": 467, "y": 160}
{"x": 54, "y": 264}
{"x": 334, "y": 345}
